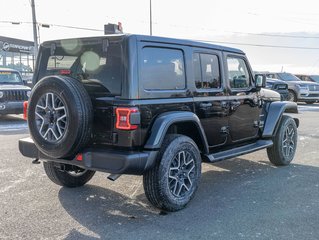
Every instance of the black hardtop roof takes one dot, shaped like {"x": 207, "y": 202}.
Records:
{"x": 165, "y": 40}
{"x": 187, "y": 43}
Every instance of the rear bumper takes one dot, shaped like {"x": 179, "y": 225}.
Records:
{"x": 99, "y": 159}
{"x": 11, "y": 108}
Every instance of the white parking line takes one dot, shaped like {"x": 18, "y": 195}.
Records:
{"x": 308, "y": 108}
{"x": 13, "y": 127}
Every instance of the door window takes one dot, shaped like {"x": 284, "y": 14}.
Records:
{"x": 238, "y": 74}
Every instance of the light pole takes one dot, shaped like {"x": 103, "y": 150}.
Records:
{"x": 151, "y": 31}
{"x": 35, "y": 30}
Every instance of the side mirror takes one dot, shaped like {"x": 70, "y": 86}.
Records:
{"x": 260, "y": 81}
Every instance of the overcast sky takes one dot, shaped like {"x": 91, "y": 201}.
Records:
{"x": 240, "y": 24}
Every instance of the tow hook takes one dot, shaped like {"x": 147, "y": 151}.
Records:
{"x": 36, "y": 161}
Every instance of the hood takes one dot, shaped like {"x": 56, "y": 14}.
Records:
{"x": 308, "y": 83}
{"x": 274, "y": 80}
{"x": 14, "y": 87}
{"x": 302, "y": 82}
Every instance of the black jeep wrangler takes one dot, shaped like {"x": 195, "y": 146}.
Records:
{"x": 151, "y": 106}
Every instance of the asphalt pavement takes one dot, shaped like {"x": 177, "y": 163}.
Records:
{"x": 240, "y": 198}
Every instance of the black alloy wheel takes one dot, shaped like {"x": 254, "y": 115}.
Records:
{"x": 52, "y": 117}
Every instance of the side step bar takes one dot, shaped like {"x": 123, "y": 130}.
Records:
{"x": 231, "y": 153}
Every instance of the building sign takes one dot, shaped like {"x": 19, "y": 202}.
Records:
{"x": 16, "y": 45}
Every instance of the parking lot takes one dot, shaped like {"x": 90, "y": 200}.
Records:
{"x": 241, "y": 198}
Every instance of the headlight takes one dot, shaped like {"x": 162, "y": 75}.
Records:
{"x": 28, "y": 94}
{"x": 1, "y": 94}
{"x": 302, "y": 86}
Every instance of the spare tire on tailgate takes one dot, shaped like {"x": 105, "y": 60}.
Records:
{"x": 60, "y": 116}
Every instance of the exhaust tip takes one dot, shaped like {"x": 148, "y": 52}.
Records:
{"x": 113, "y": 177}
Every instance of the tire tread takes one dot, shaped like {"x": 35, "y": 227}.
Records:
{"x": 274, "y": 153}
{"x": 154, "y": 188}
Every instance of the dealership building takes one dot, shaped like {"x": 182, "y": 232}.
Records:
{"x": 17, "y": 54}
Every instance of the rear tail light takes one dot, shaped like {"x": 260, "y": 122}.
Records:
{"x": 127, "y": 118}
{"x": 25, "y": 110}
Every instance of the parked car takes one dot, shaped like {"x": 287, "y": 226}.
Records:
{"x": 279, "y": 86}
{"x": 13, "y": 92}
{"x": 299, "y": 90}
{"x": 276, "y": 85}
{"x": 151, "y": 106}
{"x": 308, "y": 78}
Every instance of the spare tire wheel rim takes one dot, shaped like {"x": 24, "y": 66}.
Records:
{"x": 51, "y": 117}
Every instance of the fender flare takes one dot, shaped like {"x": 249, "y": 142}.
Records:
{"x": 275, "y": 112}
{"x": 165, "y": 120}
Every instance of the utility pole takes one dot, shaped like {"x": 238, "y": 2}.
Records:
{"x": 151, "y": 31}
{"x": 35, "y": 30}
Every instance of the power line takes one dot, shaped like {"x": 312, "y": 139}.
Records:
{"x": 177, "y": 26}
{"x": 55, "y": 25}
{"x": 287, "y": 18}
{"x": 244, "y": 33}
{"x": 257, "y": 45}
{"x": 73, "y": 27}
{"x": 248, "y": 33}
{"x": 210, "y": 41}
{"x": 273, "y": 35}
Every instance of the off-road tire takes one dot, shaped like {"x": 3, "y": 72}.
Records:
{"x": 292, "y": 96}
{"x": 59, "y": 176}
{"x": 160, "y": 187}
{"x": 78, "y": 107}
{"x": 285, "y": 142}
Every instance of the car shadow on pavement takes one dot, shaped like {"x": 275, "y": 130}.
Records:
{"x": 12, "y": 124}
{"x": 233, "y": 194}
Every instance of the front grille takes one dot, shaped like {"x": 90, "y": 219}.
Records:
{"x": 313, "y": 95}
{"x": 281, "y": 87}
{"x": 313, "y": 87}
{"x": 15, "y": 95}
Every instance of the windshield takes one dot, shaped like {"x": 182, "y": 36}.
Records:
{"x": 288, "y": 77}
{"x": 315, "y": 78}
{"x": 10, "y": 77}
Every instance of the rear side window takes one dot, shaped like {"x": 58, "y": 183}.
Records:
{"x": 162, "y": 69}
{"x": 206, "y": 69}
